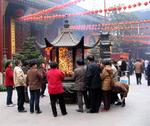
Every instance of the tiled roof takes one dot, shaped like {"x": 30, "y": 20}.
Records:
{"x": 65, "y": 39}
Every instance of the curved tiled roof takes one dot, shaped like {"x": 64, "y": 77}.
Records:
{"x": 65, "y": 39}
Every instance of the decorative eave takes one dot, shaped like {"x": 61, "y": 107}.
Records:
{"x": 40, "y": 46}
{"x": 80, "y": 44}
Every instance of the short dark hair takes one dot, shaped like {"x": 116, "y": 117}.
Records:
{"x": 80, "y": 62}
{"x": 8, "y": 63}
{"x": 33, "y": 62}
{"x": 17, "y": 62}
{"x": 90, "y": 58}
{"x": 53, "y": 64}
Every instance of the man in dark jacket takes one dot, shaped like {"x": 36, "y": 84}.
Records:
{"x": 93, "y": 82}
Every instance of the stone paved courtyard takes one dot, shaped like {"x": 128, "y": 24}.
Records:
{"x": 136, "y": 112}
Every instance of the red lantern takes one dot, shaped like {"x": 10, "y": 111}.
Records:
{"x": 93, "y": 12}
{"x": 134, "y": 5}
{"x": 100, "y": 11}
{"x": 96, "y": 11}
{"x": 129, "y": 6}
{"x": 105, "y": 10}
{"x": 109, "y": 9}
{"x": 114, "y": 9}
{"x": 119, "y": 8}
{"x": 139, "y": 4}
{"x": 145, "y": 3}
{"x": 124, "y": 7}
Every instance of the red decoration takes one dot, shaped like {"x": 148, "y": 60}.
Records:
{"x": 109, "y": 9}
{"x": 114, "y": 9}
{"x": 129, "y": 6}
{"x": 27, "y": 18}
{"x": 119, "y": 8}
{"x": 100, "y": 11}
{"x": 96, "y": 11}
{"x": 53, "y": 8}
{"x": 139, "y": 4}
{"x": 124, "y": 7}
{"x": 134, "y": 5}
{"x": 105, "y": 10}
{"x": 145, "y": 3}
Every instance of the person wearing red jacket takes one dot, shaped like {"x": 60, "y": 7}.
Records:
{"x": 55, "y": 88}
{"x": 9, "y": 83}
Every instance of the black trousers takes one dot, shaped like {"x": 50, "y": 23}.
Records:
{"x": 138, "y": 78}
{"x": 95, "y": 96}
{"x": 9, "y": 95}
{"x": 80, "y": 96}
{"x": 26, "y": 94}
{"x": 34, "y": 100}
{"x": 106, "y": 99}
{"x": 148, "y": 80}
{"x": 60, "y": 98}
{"x": 21, "y": 97}
{"x": 114, "y": 97}
{"x": 43, "y": 88}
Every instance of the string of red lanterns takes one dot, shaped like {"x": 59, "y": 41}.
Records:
{"x": 136, "y": 41}
{"x": 46, "y": 11}
{"x": 112, "y": 24}
{"x": 108, "y": 29}
{"x": 136, "y": 36}
{"x": 38, "y": 16}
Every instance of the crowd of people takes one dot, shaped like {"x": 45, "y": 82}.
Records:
{"x": 97, "y": 83}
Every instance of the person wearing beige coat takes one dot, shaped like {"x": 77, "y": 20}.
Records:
{"x": 20, "y": 83}
{"x": 138, "y": 71}
{"x": 106, "y": 77}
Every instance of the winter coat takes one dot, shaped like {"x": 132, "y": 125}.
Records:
{"x": 9, "y": 77}
{"x": 92, "y": 76}
{"x": 106, "y": 77}
{"x": 79, "y": 77}
{"x": 19, "y": 77}
{"x": 138, "y": 67}
{"x": 55, "y": 78}
{"x": 122, "y": 88}
{"x": 34, "y": 79}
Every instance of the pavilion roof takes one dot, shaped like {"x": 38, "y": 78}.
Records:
{"x": 65, "y": 39}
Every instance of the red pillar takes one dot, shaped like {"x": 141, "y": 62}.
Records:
{"x": 1, "y": 34}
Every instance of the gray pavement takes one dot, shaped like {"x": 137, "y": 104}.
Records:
{"x": 136, "y": 112}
